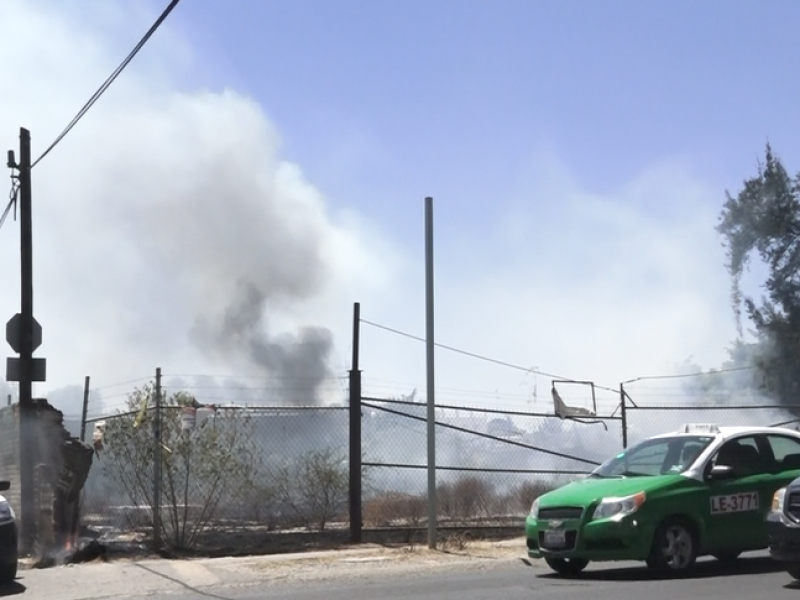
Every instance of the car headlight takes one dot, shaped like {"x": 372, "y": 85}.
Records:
{"x": 535, "y": 509}
{"x": 777, "y": 500}
{"x": 612, "y": 507}
{"x": 6, "y": 513}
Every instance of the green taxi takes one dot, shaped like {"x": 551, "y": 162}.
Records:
{"x": 702, "y": 490}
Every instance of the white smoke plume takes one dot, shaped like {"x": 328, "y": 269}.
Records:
{"x": 169, "y": 230}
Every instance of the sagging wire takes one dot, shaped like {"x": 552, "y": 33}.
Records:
{"x": 14, "y": 193}
{"x": 107, "y": 83}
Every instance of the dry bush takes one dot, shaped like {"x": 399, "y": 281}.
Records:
{"x": 529, "y": 491}
{"x": 314, "y": 487}
{"x": 446, "y": 500}
{"x": 458, "y": 541}
{"x": 202, "y": 470}
{"x": 505, "y": 505}
{"x": 517, "y": 500}
{"x": 473, "y": 497}
{"x": 465, "y": 499}
{"x": 468, "y": 497}
{"x": 395, "y": 508}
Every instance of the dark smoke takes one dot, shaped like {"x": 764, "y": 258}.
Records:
{"x": 297, "y": 363}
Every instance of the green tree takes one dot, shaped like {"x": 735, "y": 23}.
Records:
{"x": 204, "y": 469}
{"x": 763, "y": 219}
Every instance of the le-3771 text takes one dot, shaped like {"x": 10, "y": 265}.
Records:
{"x": 731, "y": 503}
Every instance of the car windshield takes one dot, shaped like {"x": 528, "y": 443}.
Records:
{"x": 655, "y": 456}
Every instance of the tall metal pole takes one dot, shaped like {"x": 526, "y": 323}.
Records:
{"x": 85, "y": 411}
{"x": 76, "y": 506}
{"x": 26, "y": 424}
{"x": 623, "y": 413}
{"x": 429, "y": 341}
{"x": 157, "y": 465}
{"x": 355, "y": 433}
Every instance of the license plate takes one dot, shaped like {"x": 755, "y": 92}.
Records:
{"x": 555, "y": 539}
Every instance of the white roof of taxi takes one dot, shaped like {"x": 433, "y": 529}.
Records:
{"x": 728, "y": 432}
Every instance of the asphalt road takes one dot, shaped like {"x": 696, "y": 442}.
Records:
{"x": 753, "y": 577}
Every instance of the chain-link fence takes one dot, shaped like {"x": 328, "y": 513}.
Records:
{"x": 659, "y": 404}
{"x": 238, "y": 471}
{"x": 490, "y": 464}
{"x": 230, "y": 475}
{"x": 244, "y": 472}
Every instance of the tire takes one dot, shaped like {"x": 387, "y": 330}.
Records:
{"x": 727, "y": 558}
{"x": 8, "y": 573}
{"x": 794, "y": 571}
{"x": 567, "y": 566}
{"x": 674, "y": 546}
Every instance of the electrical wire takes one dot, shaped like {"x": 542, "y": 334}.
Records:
{"x": 121, "y": 383}
{"x": 12, "y": 198}
{"x": 107, "y": 83}
{"x": 687, "y": 375}
{"x": 538, "y": 372}
{"x": 486, "y": 358}
{"x": 231, "y": 377}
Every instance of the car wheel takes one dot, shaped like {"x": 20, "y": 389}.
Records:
{"x": 794, "y": 571}
{"x": 567, "y": 566}
{"x": 727, "y": 557}
{"x": 674, "y": 546}
{"x": 8, "y": 573}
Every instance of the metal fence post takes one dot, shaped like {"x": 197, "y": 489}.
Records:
{"x": 157, "y": 465}
{"x": 623, "y": 413}
{"x": 355, "y": 434}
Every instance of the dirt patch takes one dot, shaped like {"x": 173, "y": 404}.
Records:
{"x": 385, "y": 561}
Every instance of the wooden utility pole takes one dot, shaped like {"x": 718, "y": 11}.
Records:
{"x": 24, "y": 335}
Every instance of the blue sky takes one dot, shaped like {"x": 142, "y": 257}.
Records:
{"x": 452, "y": 99}
{"x": 578, "y": 155}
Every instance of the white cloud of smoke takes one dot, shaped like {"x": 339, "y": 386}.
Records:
{"x": 168, "y": 229}
{"x": 170, "y": 232}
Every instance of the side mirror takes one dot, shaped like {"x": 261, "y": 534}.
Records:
{"x": 5, "y": 486}
{"x": 719, "y": 472}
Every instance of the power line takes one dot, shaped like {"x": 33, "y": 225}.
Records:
{"x": 686, "y": 375}
{"x": 257, "y": 377}
{"x": 107, "y": 83}
{"x": 12, "y": 196}
{"x": 538, "y": 372}
{"x": 121, "y": 383}
{"x": 485, "y": 358}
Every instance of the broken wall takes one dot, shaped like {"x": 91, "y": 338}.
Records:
{"x": 61, "y": 464}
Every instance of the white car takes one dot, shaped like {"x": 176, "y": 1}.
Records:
{"x": 9, "y": 554}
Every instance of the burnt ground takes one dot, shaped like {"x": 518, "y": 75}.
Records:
{"x": 256, "y": 541}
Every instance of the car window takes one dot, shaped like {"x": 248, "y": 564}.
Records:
{"x": 786, "y": 451}
{"x": 655, "y": 456}
{"x": 742, "y": 455}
